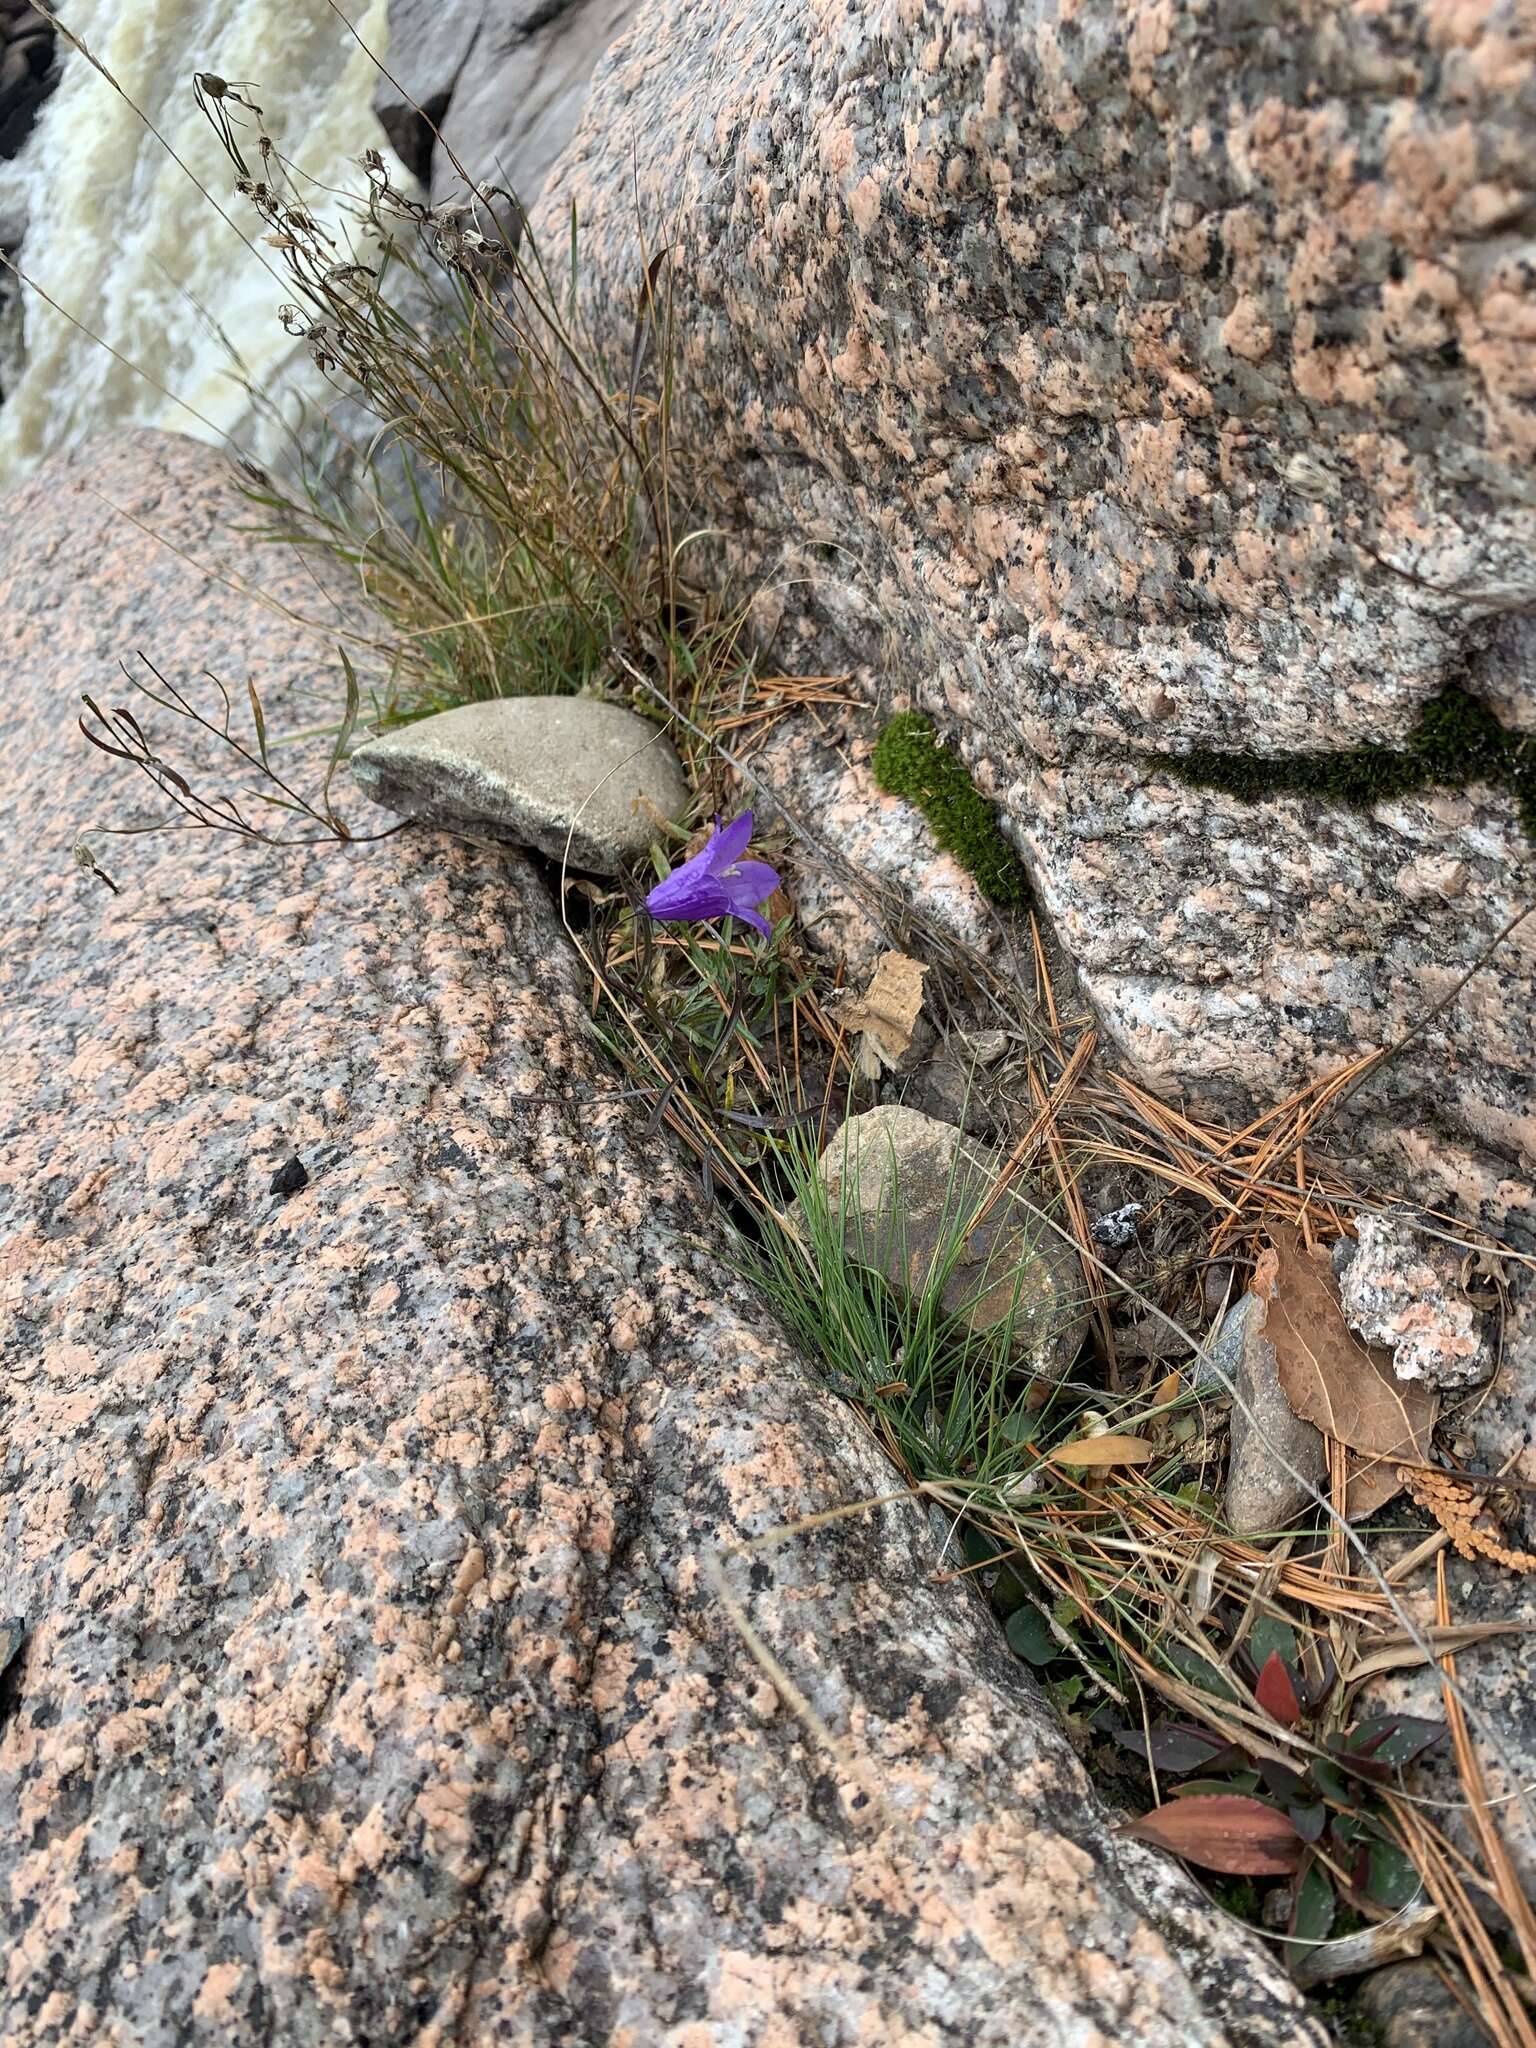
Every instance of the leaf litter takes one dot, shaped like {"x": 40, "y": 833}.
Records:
{"x": 1341, "y": 1385}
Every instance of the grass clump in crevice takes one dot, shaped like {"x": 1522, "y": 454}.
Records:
{"x": 502, "y": 494}
{"x": 948, "y": 1396}
{"x": 1456, "y": 741}
{"x": 910, "y": 761}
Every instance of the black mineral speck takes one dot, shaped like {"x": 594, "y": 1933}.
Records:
{"x": 290, "y": 1177}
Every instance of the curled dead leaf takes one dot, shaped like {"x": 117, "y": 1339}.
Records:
{"x": 885, "y": 1015}
{"x": 1344, "y": 1387}
{"x": 1103, "y": 1450}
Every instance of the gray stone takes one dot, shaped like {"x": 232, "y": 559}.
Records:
{"x": 945, "y": 1088}
{"x": 520, "y": 96}
{"x": 377, "y": 1685}
{"x": 572, "y": 776}
{"x": 1117, "y": 386}
{"x": 429, "y": 44}
{"x": 1276, "y": 1457}
{"x": 903, "y": 1183}
{"x": 503, "y": 83}
{"x": 1412, "y": 2007}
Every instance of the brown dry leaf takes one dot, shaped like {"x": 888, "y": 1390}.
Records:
{"x": 1103, "y": 1450}
{"x": 886, "y": 1015}
{"x": 1404, "y": 1656}
{"x": 1347, "y": 1389}
{"x": 1369, "y": 1483}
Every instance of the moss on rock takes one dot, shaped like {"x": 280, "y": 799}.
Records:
{"x": 910, "y": 761}
{"x": 1456, "y": 741}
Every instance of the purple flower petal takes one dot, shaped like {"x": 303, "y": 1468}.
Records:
{"x": 717, "y": 883}
{"x": 689, "y": 894}
{"x": 729, "y": 842}
{"x": 750, "y": 881}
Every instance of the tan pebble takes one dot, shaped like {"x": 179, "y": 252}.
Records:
{"x": 471, "y": 1571}
{"x": 457, "y": 1604}
{"x": 455, "y": 1652}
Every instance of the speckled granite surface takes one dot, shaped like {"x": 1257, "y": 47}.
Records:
{"x": 1116, "y": 379}
{"x": 372, "y": 1691}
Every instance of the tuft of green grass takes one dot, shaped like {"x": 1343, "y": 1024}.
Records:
{"x": 911, "y": 762}
{"x": 1456, "y": 741}
{"x": 950, "y": 1399}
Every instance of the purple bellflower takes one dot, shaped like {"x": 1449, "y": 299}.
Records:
{"x": 717, "y": 882}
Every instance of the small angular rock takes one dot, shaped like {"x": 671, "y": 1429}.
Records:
{"x": 1402, "y": 1289}
{"x": 574, "y": 777}
{"x": 903, "y": 1180}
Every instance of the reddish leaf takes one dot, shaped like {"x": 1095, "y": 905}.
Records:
{"x": 1224, "y": 1831}
{"x": 1275, "y": 1693}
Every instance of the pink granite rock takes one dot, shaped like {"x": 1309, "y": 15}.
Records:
{"x": 875, "y": 864}
{"x": 375, "y": 1685}
{"x": 1119, "y": 380}
{"x": 1403, "y": 1288}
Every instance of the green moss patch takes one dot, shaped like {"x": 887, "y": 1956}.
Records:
{"x": 911, "y": 762}
{"x": 1456, "y": 741}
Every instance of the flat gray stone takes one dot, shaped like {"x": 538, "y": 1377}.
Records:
{"x": 903, "y": 1180}
{"x": 577, "y": 778}
{"x": 1274, "y": 1451}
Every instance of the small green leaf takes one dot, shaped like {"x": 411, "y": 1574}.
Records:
{"x": 1029, "y": 1637}
{"x": 1393, "y": 1739}
{"x": 1172, "y": 1747}
{"x": 1330, "y": 1781}
{"x": 1198, "y": 1670}
{"x": 1310, "y": 1818}
{"x": 1009, "y": 1592}
{"x": 1066, "y": 1613}
{"x": 1391, "y": 1879}
{"x": 1312, "y": 1911}
{"x": 1236, "y": 1781}
{"x": 1268, "y": 1636}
